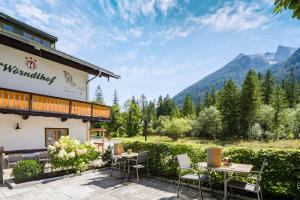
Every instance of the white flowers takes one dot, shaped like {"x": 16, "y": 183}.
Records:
{"x": 71, "y": 154}
{"x": 62, "y": 153}
{"x": 51, "y": 148}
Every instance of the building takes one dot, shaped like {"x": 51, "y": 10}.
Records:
{"x": 43, "y": 92}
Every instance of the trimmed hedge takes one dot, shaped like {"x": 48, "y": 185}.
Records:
{"x": 281, "y": 178}
{"x": 27, "y": 170}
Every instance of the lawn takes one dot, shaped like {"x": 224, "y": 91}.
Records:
{"x": 282, "y": 144}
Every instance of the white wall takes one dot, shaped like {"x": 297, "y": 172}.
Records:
{"x": 32, "y": 134}
{"x": 72, "y": 88}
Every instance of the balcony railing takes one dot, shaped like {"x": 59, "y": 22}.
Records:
{"x": 65, "y": 108}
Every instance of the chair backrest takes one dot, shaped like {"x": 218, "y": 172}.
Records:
{"x": 184, "y": 161}
{"x": 43, "y": 154}
{"x": 264, "y": 164}
{"x": 14, "y": 158}
{"x": 142, "y": 157}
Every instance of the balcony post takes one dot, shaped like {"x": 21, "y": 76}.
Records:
{"x": 92, "y": 109}
{"x": 30, "y": 102}
{"x": 70, "y": 107}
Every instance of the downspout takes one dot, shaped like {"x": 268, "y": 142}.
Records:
{"x": 87, "y": 90}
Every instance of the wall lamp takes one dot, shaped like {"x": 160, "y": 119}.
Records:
{"x": 18, "y": 128}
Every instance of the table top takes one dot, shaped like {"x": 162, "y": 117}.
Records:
{"x": 126, "y": 155}
{"x": 235, "y": 167}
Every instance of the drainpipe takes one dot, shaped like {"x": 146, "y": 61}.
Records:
{"x": 87, "y": 84}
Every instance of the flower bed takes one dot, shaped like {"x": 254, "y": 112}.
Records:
{"x": 281, "y": 179}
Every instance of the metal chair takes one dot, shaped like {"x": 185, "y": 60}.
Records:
{"x": 43, "y": 157}
{"x": 13, "y": 159}
{"x": 249, "y": 187}
{"x": 140, "y": 162}
{"x": 116, "y": 161}
{"x": 185, "y": 165}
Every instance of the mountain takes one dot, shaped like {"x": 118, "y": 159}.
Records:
{"x": 279, "y": 62}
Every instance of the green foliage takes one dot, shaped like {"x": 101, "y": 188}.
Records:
{"x": 167, "y": 107}
{"x": 291, "y": 89}
{"x": 208, "y": 124}
{"x": 250, "y": 102}
{"x": 116, "y": 125}
{"x": 69, "y": 154}
{"x": 293, "y": 5}
{"x": 228, "y": 103}
{"x": 26, "y": 170}
{"x": 188, "y": 109}
{"x": 99, "y": 95}
{"x": 176, "y": 127}
{"x": 277, "y": 181}
{"x": 268, "y": 85}
{"x": 133, "y": 119}
{"x": 265, "y": 117}
{"x": 107, "y": 154}
{"x": 115, "y": 98}
{"x": 199, "y": 106}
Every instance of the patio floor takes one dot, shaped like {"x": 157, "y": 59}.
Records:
{"x": 99, "y": 185}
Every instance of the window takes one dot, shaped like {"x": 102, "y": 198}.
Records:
{"x": 53, "y": 134}
{"x": 27, "y": 36}
{"x": 46, "y": 43}
{"x": 37, "y": 39}
{"x": 7, "y": 28}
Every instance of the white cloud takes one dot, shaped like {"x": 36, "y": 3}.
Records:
{"x": 131, "y": 55}
{"x": 175, "y": 32}
{"x": 30, "y": 11}
{"x": 165, "y": 5}
{"x": 238, "y": 16}
{"x": 136, "y": 32}
{"x": 107, "y": 7}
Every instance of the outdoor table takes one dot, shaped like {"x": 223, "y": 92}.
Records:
{"x": 234, "y": 168}
{"x": 126, "y": 157}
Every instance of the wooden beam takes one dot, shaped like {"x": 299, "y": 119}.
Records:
{"x": 1, "y": 165}
{"x": 85, "y": 120}
{"x": 25, "y": 117}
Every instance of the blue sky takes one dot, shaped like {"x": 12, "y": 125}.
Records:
{"x": 158, "y": 46}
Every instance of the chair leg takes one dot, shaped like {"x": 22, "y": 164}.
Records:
{"x": 178, "y": 188}
{"x": 137, "y": 175}
{"x": 258, "y": 195}
{"x": 148, "y": 171}
{"x": 261, "y": 194}
{"x": 111, "y": 169}
{"x": 200, "y": 188}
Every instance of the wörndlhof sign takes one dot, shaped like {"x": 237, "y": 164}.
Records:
{"x": 27, "y": 72}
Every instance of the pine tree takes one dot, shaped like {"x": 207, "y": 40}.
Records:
{"x": 229, "y": 108}
{"x": 250, "y": 102}
{"x": 188, "y": 107}
{"x": 291, "y": 88}
{"x": 213, "y": 96}
{"x": 199, "y": 106}
{"x": 115, "y": 98}
{"x": 116, "y": 123}
{"x": 99, "y": 95}
{"x": 268, "y": 85}
{"x": 133, "y": 119}
{"x": 207, "y": 99}
{"x": 160, "y": 106}
{"x": 278, "y": 102}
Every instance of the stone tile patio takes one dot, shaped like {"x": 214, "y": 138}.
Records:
{"x": 98, "y": 185}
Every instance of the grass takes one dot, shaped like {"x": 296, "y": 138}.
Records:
{"x": 281, "y": 144}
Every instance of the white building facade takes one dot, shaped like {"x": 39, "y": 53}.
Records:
{"x": 43, "y": 92}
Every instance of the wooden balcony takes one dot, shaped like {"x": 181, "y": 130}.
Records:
{"x": 27, "y": 104}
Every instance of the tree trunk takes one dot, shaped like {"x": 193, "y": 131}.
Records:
{"x": 145, "y": 129}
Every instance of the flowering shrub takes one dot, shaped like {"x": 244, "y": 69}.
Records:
{"x": 69, "y": 154}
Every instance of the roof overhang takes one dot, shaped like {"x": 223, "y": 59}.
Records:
{"x": 17, "y": 42}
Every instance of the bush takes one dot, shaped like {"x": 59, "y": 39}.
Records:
{"x": 69, "y": 154}
{"x": 280, "y": 179}
{"x": 176, "y": 127}
{"x": 208, "y": 123}
{"x": 26, "y": 170}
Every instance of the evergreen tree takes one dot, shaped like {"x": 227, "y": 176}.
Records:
{"x": 278, "y": 101}
{"x": 167, "y": 107}
{"x": 115, "y": 98}
{"x": 148, "y": 117}
{"x": 116, "y": 123}
{"x": 229, "y": 108}
{"x": 207, "y": 99}
{"x": 268, "y": 85}
{"x": 99, "y": 95}
{"x": 250, "y": 102}
{"x": 199, "y": 106}
{"x": 291, "y": 88}
{"x": 133, "y": 119}
{"x": 188, "y": 107}
{"x": 160, "y": 106}
{"x": 213, "y": 96}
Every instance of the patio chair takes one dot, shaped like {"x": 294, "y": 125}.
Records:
{"x": 140, "y": 162}
{"x": 43, "y": 157}
{"x": 116, "y": 161}
{"x": 249, "y": 187}
{"x": 186, "y": 165}
{"x": 13, "y": 159}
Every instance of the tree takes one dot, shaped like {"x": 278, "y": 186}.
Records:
{"x": 148, "y": 114}
{"x": 176, "y": 127}
{"x": 115, "y": 98}
{"x": 208, "y": 123}
{"x": 199, "y": 106}
{"x": 250, "y": 102}
{"x": 117, "y": 121}
{"x": 268, "y": 85}
{"x": 213, "y": 96}
{"x": 99, "y": 95}
{"x": 133, "y": 119}
{"x": 229, "y": 108}
{"x": 293, "y": 5}
{"x": 291, "y": 88}
{"x": 188, "y": 109}
{"x": 278, "y": 101}
{"x": 167, "y": 107}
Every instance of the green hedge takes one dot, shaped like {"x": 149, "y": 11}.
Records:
{"x": 280, "y": 180}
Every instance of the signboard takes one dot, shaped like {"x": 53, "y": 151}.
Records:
{"x": 22, "y": 71}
